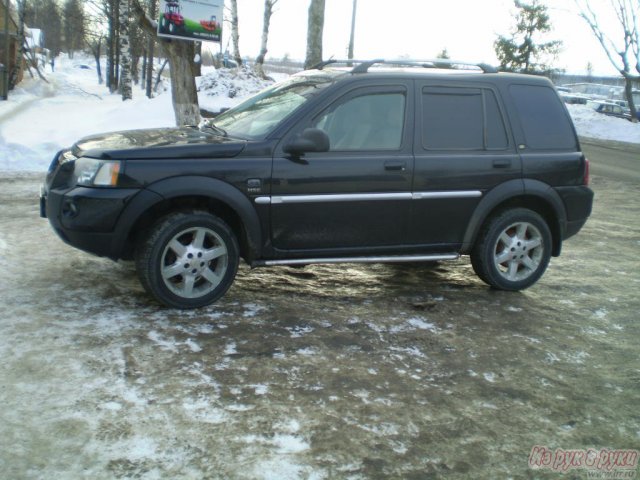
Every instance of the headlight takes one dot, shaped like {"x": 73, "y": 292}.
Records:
{"x": 90, "y": 172}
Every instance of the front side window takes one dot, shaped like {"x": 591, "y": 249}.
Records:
{"x": 259, "y": 115}
{"x": 462, "y": 119}
{"x": 372, "y": 121}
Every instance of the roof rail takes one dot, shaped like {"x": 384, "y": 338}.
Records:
{"x": 364, "y": 65}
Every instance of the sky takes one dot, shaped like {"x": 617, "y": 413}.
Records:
{"x": 419, "y": 29}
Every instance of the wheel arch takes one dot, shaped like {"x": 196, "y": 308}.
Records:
{"x": 532, "y": 194}
{"x": 188, "y": 192}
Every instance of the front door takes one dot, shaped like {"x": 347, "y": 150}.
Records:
{"x": 359, "y": 193}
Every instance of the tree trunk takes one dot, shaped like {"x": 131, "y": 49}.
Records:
{"x": 628, "y": 91}
{"x": 183, "y": 85}
{"x": 180, "y": 54}
{"x": 150, "y": 47}
{"x": 125, "y": 53}
{"x": 266, "y": 21}
{"x": 314, "y": 33}
{"x": 235, "y": 33}
{"x": 96, "y": 54}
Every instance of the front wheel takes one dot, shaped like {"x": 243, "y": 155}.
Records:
{"x": 513, "y": 250}
{"x": 188, "y": 260}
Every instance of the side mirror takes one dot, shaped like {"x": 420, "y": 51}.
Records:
{"x": 310, "y": 140}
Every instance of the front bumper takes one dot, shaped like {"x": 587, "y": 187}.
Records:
{"x": 86, "y": 218}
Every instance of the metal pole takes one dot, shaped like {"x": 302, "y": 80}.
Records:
{"x": 353, "y": 29}
{"x": 5, "y": 72}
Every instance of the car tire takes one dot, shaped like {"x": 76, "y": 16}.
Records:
{"x": 188, "y": 260}
{"x": 513, "y": 249}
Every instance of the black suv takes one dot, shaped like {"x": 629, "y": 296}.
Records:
{"x": 366, "y": 164}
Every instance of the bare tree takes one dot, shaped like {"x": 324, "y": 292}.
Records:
{"x": 235, "y": 32}
{"x": 94, "y": 41}
{"x": 266, "y": 21}
{"x": 315, "y": 29}
{"x": 626, "y": 50}
{"x": 180, "y": 54}
{"x": 125, "y": 86}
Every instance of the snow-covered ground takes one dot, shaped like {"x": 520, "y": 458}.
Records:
{"x": 39, "y": 118}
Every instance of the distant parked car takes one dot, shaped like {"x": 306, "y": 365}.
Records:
{"x": 611, "y": 109}
{"x": 573, "y": 98}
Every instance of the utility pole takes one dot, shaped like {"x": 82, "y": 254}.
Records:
{"x": 353, "y": 29}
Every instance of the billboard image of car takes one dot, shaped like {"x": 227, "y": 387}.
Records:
{"x": 195, "y": 20}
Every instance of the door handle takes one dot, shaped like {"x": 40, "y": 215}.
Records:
{"x": 502, "y": 163}
{"x": 395, "y": 166}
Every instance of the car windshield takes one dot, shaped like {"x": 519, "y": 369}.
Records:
{"x": 259, "y": 115}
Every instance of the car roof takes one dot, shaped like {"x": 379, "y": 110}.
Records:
{"x": 440, "y": 69}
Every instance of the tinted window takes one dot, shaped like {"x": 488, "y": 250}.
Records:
{"x": 461, "y": 119}
{"x": 366, "y": 122}
{"x": 544, "y": 120}
{"x": 496, "y": 133}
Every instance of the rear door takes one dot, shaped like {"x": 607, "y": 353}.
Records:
{"x": 463, "y": 149}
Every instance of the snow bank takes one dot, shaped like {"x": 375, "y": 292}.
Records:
{"x": 597, "y": 125}
{"x": 224, "y": 88}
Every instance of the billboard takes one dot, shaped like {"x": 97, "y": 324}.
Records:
{"x": 195, "y": 20}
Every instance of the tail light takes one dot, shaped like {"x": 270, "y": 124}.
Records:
{"x": 586, "y": 171}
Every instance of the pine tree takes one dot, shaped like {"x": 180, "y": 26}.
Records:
{"x": 73, "y": 25}
{"x": 522, "y": 51}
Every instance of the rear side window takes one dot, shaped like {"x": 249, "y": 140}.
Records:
{"x": 544, "y": 120}
{"x": 461, "y": 119}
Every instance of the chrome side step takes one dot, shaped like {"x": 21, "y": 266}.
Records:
{"x": 381, "y": 259}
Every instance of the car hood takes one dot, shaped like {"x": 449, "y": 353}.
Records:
{"x": 183, "y": 142}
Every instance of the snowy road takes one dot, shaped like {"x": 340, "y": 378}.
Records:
{"x": 324, "y": 372}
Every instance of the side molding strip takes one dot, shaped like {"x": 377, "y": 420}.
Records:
{"x": 361, "y": 197}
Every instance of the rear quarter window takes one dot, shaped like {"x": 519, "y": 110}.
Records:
{"x": 544, "y": 119}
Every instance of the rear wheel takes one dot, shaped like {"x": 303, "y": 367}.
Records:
{"x": 513, "y": 249}
{"x": 188, "y": 260}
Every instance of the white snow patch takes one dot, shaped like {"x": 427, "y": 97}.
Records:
{"x": 601, "y": 313}
{"x": 591, "y": 124}
{"x": 230, "y": 348}
{"x": 421, "y": 324}
{"x": 551, "y": 358}
{"x": 193, "y": 346}
{"x": 489, "y": 377}
{"x": 112, "y": 406}
{"x": 168, "y": 345}
{"x": 260, "y": 389}
{"x": 307, "y": 351}
{"x": 513, "y": 309}
{"x": 297, "y": 332}
{"x": 202, "y": 411}
{"x": 252, "y": 309}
